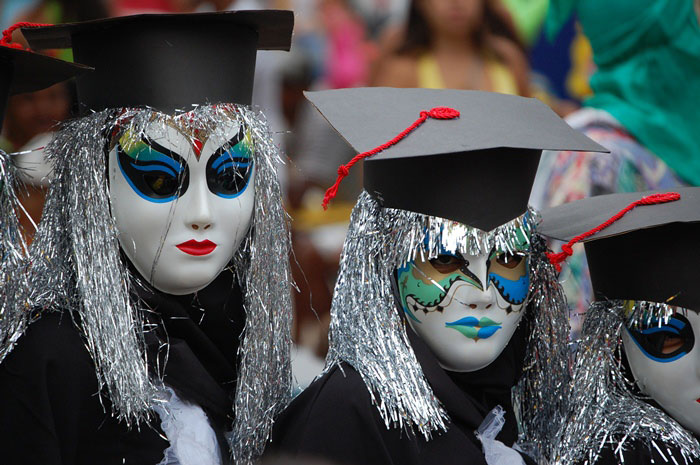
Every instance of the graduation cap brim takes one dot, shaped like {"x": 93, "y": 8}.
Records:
{"x": 649, "y": 254}
{"x": 32, "y": 71}
{"x": 168, "y": 61}
{"x": 477, "y": 169}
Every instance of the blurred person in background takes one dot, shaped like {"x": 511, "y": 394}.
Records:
{"x": 643, "y": 109}
{"x": 335, "y": 54}
{"x": 31, "y": 117}
{"x": 458, "y": 44}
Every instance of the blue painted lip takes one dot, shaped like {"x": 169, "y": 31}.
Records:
{"x": 484, "y": 322}
{"x": 474, "y": 328}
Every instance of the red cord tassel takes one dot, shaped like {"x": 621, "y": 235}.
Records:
{"x": 653, "y": 199}
{"x": 343, "y": 170}
{"x": 6, "y": 40}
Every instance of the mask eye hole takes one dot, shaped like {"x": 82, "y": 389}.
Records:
{"x": 508, "y": 260}
{"x": 161, "y": 184}
{"x": 665, "y": 341}
{"x": 671, "y": 344}
{"x": 447, "y": 263}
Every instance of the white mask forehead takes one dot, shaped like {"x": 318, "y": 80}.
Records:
{"x": 662, "y": 353}
{"x": 179, "y": 221}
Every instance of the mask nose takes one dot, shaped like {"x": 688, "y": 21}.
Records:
{"x": 199, "y": 215}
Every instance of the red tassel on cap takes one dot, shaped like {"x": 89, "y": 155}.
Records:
{"x": 6, "y": 40}
{"x": 653, "y": 199}
{"x": 343, "y": 170}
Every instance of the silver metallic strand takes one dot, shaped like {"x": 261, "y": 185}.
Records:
{"x": 604, "y": 411}
{"x": 264, "y": 371}
{"x": 369, "y": 333}
{"x": 540, "y": 396}
{"x": 77, "y": 268}
{"x": 13, "y": 258}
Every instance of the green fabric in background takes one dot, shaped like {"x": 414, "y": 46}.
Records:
{"x": 647, "y": 54}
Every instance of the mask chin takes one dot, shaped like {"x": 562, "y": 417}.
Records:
{"x": 672, "y": 379}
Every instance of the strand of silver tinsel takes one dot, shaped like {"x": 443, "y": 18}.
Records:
{"x": 13, "y": 254}
{"x": 367, "y": 331}
{"x": 540, "y": 397}
{"x": 262, "y": 264}
{"x": 603, "y": 410}
{"x": 76, "y": 267}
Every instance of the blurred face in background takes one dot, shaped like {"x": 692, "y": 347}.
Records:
{"x": 35, "y": 113}
{"x": 455, "y": 18}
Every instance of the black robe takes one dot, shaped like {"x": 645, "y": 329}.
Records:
{"x": 335, "y": 419}
{"x": 51, "y": 412}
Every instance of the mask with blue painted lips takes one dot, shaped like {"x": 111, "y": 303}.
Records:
{"x": 465, "y": 307}
{"x": 665, "y": 362}
{"x": 180, "y": 199}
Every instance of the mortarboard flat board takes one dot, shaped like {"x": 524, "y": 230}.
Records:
{"x": 649, "y": 254}
{"x": 27, "y": 71}
{"x": 477, "y": 169}
{"x": 168, "y": 61}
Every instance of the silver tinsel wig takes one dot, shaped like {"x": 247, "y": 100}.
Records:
{"x": 13, "y": 254}
{"x": 77, "y": 268}
{"x": 369, "y": 333}
{"x": 604, "y": 409}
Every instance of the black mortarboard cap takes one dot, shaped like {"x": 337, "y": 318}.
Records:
{"x": 25, "y": 71}
{"x": 477, "y": 169}
{"x": 168, "y": 61}
{"x": 650, "y": 253}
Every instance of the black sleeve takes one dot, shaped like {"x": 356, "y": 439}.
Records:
{"x": 334, "y": 419}
{"x": 48, "y": 392}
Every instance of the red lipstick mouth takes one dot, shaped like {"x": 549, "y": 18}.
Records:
{"x": 193, "y": 247}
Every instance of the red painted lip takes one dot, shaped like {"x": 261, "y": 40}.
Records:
{"x": 193, "y": 247}
{"x": 697, "y": 400}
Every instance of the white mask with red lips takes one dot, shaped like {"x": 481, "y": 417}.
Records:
{"x": 182, "y": 208}
{"x": 665, "y": 361}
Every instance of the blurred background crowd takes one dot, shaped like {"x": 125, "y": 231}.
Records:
{"x": 494, "y": 45}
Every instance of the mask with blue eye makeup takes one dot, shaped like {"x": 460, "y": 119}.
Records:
{"x": 180, "y": 198}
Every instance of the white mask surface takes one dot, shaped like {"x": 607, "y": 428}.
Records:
{"x": 182, "y": 206}
{"x": 465, "y": 307}
{"x": 665, "y": 361}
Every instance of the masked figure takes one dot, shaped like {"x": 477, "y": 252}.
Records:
{"x": 445, "y": 302}
{"x": 22, "y": 71}
{"x": 159, "y": 276}
{"x": 635, "y": 396}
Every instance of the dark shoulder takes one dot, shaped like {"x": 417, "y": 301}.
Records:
{"x": 335, "y": 419}
{"x": 51, "y": 347}
{"x": 341, "y": 391}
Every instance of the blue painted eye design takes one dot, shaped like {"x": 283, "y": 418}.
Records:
{"x": 154, "y": 172}
{"x": 665, "y": 343}
{"x": 230, "y": 167}
{"x": 512, "y": 286}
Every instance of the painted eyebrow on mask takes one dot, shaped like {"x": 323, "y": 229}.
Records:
{"x": 228, "y": 145}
